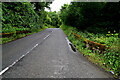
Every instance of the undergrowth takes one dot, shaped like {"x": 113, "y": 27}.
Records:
{"x": 4, "y": 40}
{"x": 109, "y": 61}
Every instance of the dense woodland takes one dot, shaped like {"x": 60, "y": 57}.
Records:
{"x": 96, "y": 21}
{"x": 23, "y": 15}
{"x": 20, "y": 19}
{"x": 95, "y": 17}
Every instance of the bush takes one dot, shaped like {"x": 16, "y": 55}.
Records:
{"x": 19, "y": 15}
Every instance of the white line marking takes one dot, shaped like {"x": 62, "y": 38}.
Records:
{"x": 47, "y": 36}
{"x": 4, "y": 70}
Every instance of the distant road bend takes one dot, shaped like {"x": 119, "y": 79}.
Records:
{"x": 46, "y": 54}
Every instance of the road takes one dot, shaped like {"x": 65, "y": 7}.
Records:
{"x": 46, "y": 54}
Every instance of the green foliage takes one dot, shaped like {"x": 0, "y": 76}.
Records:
{"x": 11, "y": 38}
{"x": 93, "y": 16}
{"x": 64, "y": 13}
{"x": 48, "y": 20}
{"x": 18, "y": 14}
{"x": 23, "y": 15}
{"x": 13, "y": 29}
{"x": 40, "y": 6}
{"x": 53, "y": 19}
{"x": 110, "y": 60}
{"x": 98, "y": 22}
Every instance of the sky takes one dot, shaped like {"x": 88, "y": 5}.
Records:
{"x": 56, "y": 5}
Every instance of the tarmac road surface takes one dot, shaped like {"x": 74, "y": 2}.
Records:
{"x": 46, "y": 54}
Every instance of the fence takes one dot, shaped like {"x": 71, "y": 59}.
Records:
{"x": 12, "y": 33}
{"x": 92, "y": 45}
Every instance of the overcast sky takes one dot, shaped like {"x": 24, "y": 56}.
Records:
{"x": 56, "y": 5}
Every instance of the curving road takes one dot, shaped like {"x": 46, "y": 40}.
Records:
{"x": 46, "y": 54}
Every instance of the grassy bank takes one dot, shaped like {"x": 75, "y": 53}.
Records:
{"x": 109, "y": 61}
{"x": 20, "y": 19}
{"x": 4, "y": 40}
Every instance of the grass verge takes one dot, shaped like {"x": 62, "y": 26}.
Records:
{"x": 4, "y": 40}
{"x": 109, "y": 61}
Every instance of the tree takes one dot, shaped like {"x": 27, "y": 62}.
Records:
{"x": 23, "y": 15}
{"x": 55, "y": 20}
{"x": 92, "y": 15}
